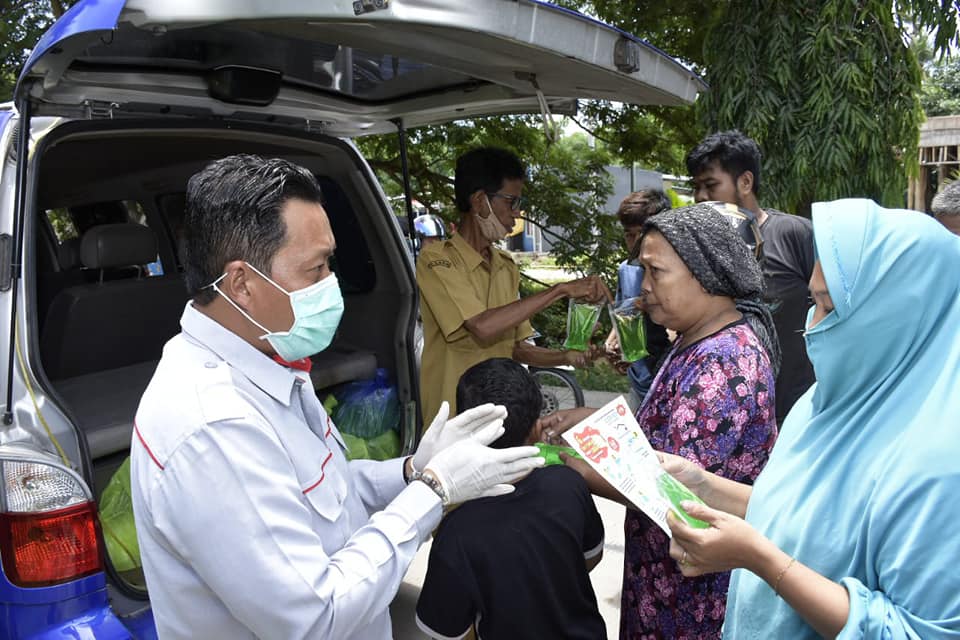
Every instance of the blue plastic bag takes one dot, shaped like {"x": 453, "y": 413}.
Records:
{"x": 368, "y": 408}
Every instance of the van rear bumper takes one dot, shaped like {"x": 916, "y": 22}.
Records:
{"x": 45, "y": 614}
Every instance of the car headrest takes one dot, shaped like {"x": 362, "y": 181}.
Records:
{"x": 68, "y": 254}
{"x": 108, "y": 246}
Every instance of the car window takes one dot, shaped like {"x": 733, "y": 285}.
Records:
{"x": 62, "y": 225}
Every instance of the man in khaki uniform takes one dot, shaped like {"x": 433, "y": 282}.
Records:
{"x": 469, "y": 289}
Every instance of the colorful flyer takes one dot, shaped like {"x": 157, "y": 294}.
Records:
{"x": 611, "y": 441}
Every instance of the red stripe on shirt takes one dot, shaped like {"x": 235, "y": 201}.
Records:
{"x": 329, "y": 428}
{"x": 136, "y": 430}
{"x": 323, "y": 474}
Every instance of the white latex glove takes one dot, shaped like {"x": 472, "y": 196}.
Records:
{"x": 468, "y": 469}
{"x": 477, "y": 424}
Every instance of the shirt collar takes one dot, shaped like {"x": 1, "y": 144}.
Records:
{"x": 472, "y": 258}
{"x": 273, "y": 378}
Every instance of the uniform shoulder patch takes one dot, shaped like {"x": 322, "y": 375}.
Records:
{"x": 439, "y": 262}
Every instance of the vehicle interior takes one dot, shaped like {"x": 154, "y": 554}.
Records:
{"x": 108, "y": 291}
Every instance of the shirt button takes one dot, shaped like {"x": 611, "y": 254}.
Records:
{"x": 210, "y": 365}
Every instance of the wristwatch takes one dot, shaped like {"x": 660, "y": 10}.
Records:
{"x": 431, "y": 481}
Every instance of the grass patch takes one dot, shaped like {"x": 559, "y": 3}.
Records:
{"x": 602, "y": 377}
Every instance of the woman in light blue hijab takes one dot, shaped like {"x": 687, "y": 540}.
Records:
{"x": 853, "y": 528}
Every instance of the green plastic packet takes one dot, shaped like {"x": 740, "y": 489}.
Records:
{"x": 674, "y": 491}
{"x": 631, "y": 330}
{"x": 385, "y": 446}
{"x": 551, "y": 453}
{"x": 116, "y": 521}
{"x": 356, "y": 447}
{"x": 581, "y": 321}
{"x": 329, "y": 404}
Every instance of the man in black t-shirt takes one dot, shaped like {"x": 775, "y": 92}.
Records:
{"x": 725, "y": 166}
{"x": 515, "y": 566}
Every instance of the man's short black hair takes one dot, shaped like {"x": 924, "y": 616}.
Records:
{"x": 733, "y": 151}
{"x": 484, "y": 169}
{"x": 233, "y": 213}
{"x": 503, "y": 381}
{"x": 640, "y": 205}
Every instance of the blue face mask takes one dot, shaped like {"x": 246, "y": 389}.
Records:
{"x": 317, "y": 310}
{"x": 813, "y": 336}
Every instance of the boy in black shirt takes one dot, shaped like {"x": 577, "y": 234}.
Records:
{"x": 515, "y": 565}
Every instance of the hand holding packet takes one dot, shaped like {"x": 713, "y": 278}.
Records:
{"x": 611, "y": 442}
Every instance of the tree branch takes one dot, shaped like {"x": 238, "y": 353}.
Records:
{"x": 57, "y": 8}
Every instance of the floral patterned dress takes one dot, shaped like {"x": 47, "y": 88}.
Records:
{"x": 712, "y": 402}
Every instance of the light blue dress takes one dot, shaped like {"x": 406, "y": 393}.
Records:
{"x": 863, "y": 485}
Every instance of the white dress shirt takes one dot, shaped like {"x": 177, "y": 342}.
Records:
{"x": 251, "y": 521}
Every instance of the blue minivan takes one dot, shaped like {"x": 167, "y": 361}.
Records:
{"x": 119, "y": 103}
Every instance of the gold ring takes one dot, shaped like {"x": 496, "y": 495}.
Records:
{"x": 683, "y": 559}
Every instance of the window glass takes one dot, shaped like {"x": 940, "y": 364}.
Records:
{"x": 62, "y": 224}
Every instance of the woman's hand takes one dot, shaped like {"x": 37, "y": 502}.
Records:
{"x": 729, "y": 543}
{"x": 690, "y": 474}
{"x": 559, "y": 421}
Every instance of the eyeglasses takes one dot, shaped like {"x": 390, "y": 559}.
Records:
{"x": 516, "y": 202}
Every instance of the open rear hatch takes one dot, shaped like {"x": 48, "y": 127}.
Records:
{"x": 347, "y": 68}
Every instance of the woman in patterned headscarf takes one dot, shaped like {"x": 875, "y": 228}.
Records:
{"x": 712, "y": 402}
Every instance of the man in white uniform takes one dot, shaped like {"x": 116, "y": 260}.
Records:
{"x": 251, "y": 521}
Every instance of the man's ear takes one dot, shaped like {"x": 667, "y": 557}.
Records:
{"x": 237, "y": 282}
{"x": 479, "y": 203}
{"x": 745, "y": 183}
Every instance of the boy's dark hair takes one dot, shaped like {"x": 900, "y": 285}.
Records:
{"x": 640, "y": 205}
{"x": 233, "y": 213}
{"x": 733, "y": 151}
{"x": 484, "y": 169}
{"x": 503, "y": 381}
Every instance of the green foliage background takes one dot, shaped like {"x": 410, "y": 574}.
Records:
{"x": 567, "y": 187}
{"x": 24, "y": 21}
{"x": 829, "y": 92}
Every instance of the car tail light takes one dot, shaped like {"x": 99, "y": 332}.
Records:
{"x": 48, "y": 526}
